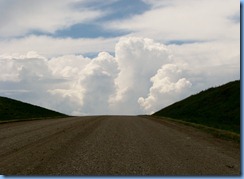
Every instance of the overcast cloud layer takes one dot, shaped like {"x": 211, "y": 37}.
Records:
{"x": 167, "y": 52}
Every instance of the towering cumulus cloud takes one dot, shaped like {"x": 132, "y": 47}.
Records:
{"x": 168, "y": 86}
{"x": 90, "y": 82}
{"x": 138, "y": 60}
{"x": 142, "y": 77}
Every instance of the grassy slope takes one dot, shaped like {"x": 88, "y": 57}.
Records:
{"x": 12, "y": 109}
{"x": 216, "y": 107}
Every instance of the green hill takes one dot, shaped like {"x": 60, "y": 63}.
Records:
{"x": 12, "y": 109}
{"x": 217, "y": 107}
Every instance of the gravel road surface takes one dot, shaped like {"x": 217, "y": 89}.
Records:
{"x": 113, "y": 145}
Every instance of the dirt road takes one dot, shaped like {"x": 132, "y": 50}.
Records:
{"x": 113, "y": 145}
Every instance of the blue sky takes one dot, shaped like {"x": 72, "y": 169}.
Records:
{"x": 116, "y": 10}
{"x": 165, "y": 21}
{"x": 87, "y": 57}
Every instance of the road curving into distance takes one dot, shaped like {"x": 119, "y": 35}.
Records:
{"x": 113, "y": 145}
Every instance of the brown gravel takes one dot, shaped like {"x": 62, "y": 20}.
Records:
{"x": 113, "y": 145}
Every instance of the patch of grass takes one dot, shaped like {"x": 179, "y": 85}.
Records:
{"x": 223, "y": 134}
{"x": 217, "y": 107}
{"x": 14, "y": 110}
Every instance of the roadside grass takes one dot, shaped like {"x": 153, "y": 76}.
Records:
{"x": 13, "y": 110}
{"x": 217, "y": 107}
{"x": 31, "y": 119}
{"x": 219, "y": 133}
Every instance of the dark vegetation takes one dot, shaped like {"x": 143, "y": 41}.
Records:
{"x": 12, "y": 109}
{"x": 217, "y": 107}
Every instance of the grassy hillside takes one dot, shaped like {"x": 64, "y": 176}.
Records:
{"x": 217, "y": 107}
{"x": 12, "y": 109}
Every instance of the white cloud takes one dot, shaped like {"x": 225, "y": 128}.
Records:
{"x": 142, "y": 77}
{"x": 185, "y": 20}
{"x": 99, "y": 83}
{"x": 21, "y": 17}
{"x": 209, "y": 63}
{"x": 51, "y": 47}
{"x": 92, "y": 85}
{"x": 68, "y": 66}
{"x": 138, "y": 60}
{"x": 13, "y": 68}
{"x": 168, "y": 86}
{"x": 27, "y": 78}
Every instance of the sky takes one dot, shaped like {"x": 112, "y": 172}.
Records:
{"x": 129, "y": 57}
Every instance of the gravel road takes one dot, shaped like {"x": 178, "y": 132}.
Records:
{"x": 113, "y": 145}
